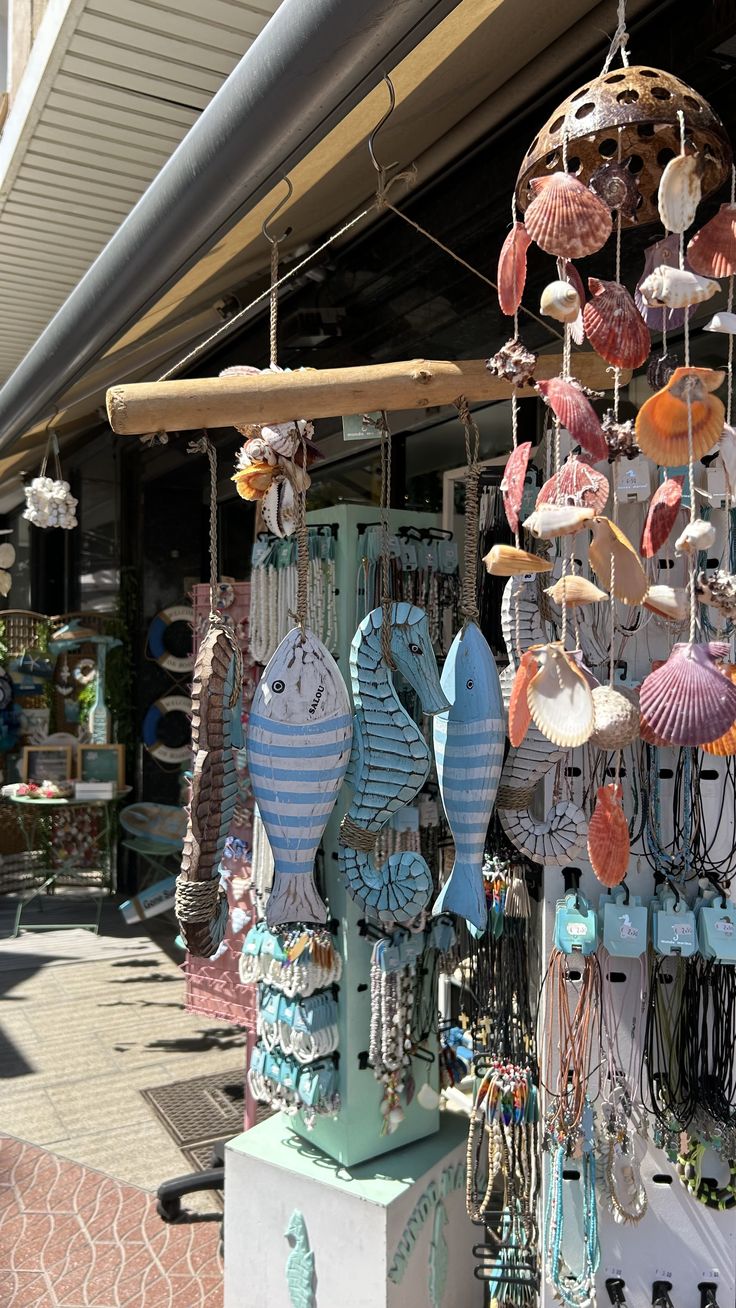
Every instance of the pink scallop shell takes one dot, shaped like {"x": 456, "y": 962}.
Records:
{"x": 614, "y": 326}
{"x": 577, "y": 483}
{"x": 576, "y": 413}
{"x": 712, "y": 250}
{"x": 688, "y": 701}
{"x": 661, "y": 515}
{"x": 565, "y": 218}
{"x": 511, "y": 274}
{"x": 512, "y": 482}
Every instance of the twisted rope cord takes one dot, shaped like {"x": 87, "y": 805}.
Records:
{"x": 470, "y": 609}
{"x": 386, "y": 599}
{"x": 204, "y": 446}
{"x": 619, "y": 40}
{"x": 354, "y": 837}
{"x": 196, "y": 901}
{"x": 302, "y": 546}
{"x": 273, "y": 304}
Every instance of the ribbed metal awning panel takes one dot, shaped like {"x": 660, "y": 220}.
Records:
{"x": 132, "y": 80}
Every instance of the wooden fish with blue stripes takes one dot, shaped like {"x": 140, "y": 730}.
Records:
{"x": 298, "y": 742}
{"x": 469, "y": 747}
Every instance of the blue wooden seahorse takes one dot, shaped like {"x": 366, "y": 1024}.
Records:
{"x": 390, "y": 762}
{"x": 299, "y": 1264}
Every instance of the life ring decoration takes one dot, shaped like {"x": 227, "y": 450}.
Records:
{"x": 689, "y": 1170}
{"x": 156, "y": 639}
{"x": 154, "y": 738}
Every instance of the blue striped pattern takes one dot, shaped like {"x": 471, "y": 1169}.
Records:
{"x": 296, "y": 772}
{"x": 468, "y": 793}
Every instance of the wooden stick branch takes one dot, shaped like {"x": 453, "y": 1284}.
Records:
{"x": 197, "y": 402}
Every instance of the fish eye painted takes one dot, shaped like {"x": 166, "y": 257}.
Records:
{"x": 278, "y": 686}
{"x": 415, "y": 649}
{"x": 469, "y": 684}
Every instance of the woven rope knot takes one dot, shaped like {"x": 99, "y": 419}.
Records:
{"x": 354, "y": 837}
{"x": 196, "y": 901}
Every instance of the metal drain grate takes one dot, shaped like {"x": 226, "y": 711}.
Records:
{"x": 202, "y": 1110}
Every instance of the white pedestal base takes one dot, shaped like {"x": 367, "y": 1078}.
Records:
{"x": 391, "y": 1233}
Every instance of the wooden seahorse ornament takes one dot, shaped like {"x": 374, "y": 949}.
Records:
{"x": 216, "y": 731}
{"x": 390, "y": 762}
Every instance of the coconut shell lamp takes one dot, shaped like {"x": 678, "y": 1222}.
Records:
{"x": 640, "y": 105}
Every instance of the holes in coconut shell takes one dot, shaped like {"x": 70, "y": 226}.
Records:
{"x": 635, "y": 163}
{"x": 608, "y": 148}
{"x": 532, "y": 147}
{"x": 692, "y": 104}
{"x": 585, "y": 109}
{"x": 574, "y": 164}
{"x": 628, "y": 96}
{"x": 557, "y": 124}
{"x": 552, "y": 159}
{"x": 645, "y": 131}
{"x": 615, "y": 77}
{"x": 579, "y": 94}
{"x": 661, "y": 93}
{"x": 664, "y": 156}
{"x": 648, "y": 72}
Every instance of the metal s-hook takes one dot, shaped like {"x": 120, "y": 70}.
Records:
{"x": 266, "y": 224}
{"x": 382, "y": 169}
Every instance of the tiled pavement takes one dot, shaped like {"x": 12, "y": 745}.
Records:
{"x": 72, "y": 1237}
{"x": 78, "y": 1041}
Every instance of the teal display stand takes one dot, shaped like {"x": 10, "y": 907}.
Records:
{"x": 355, "y": 1134}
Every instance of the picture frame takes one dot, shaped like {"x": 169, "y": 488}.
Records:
{"x": 102, "y": 763}
{"x": 47, "y": 763}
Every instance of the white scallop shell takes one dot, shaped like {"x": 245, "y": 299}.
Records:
{"x": 680, "y": 192}
{"x": 668, "y": 601}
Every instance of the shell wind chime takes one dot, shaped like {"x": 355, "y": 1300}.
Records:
{"x": 633, "y": 146}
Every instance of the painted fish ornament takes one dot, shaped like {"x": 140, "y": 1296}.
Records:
{"x": 390, "y": 762}
{"x": 576, "y": 413}
{"x": 661, "y": 516}
{"x": 511, "y": 274}
{"x": 662, "y": 421}
{"x": 298, "y": 743}
{"x": 469, "y": 749}
{"x": 512, "y": 482}
{"x": 608, "y": 836}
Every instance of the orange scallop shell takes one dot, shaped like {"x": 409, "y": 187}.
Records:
{"x": 614, "y": 326}
{"x": 519, "y": 715}
{"x": 662, "y": 421}
{"x": 576, "y": 413}
{"x": 511, "y": 274}
{"x": 565, "y": 218}
{"x": 726, "y": 744}
{"x": 712, "y": 250}
{"x": 608, "y": 836}
{"x": 661, "y": 515}
{"x": 253, "y": 482}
